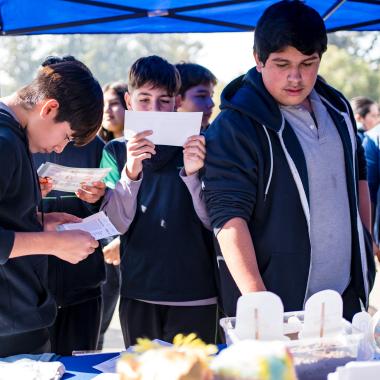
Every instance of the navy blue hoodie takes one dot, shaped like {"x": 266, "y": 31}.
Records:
{"x": 167, "y": 254}
{"x": 25, "y": 303}
{"x": 77, "y": 283}
{"x": 256, "y": 170}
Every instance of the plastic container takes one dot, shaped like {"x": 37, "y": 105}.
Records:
{"x": 313, "y": 358}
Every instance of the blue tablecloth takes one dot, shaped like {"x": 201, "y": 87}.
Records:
{"x": 80, "y": 367}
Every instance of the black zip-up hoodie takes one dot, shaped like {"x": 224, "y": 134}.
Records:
{"x": 256, "y": 170}
{"x": 72, "y": 284}
{"x": 25, "y": 303}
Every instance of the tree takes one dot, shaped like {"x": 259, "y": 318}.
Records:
{"x": 359, "y": 44}
{"x": 108, "y": 56}
{"x": 352, "y": 75}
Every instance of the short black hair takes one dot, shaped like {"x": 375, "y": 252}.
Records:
{"x": 193, "y": 75}
{"x": 290, "y": 23}
{"x": 156, "y": 71}
{"x": 78, "y": 93}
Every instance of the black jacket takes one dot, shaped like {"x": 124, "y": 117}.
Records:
{"x": 167, "y": 254}
{"x": 256, "y": 170}
{"x": 25, "y": 303}
{"x": 71, "y": 283}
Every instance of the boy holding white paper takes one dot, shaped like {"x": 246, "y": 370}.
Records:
{"x": 167, "y": 274}
{"x": 41, "y": 117}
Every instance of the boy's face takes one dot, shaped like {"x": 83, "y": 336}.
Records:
{"x": 289, "y": 76}
{"x": 148, "y": 98}
{"x": 45, "y": 135}
{"x": 198, "y": 99}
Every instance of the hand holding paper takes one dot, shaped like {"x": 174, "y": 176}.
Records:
{"x": 139, "y": 148}
{"x": 71, "y": 179}
{"x": 194, "y": 154}
{"x": 53, "y": 219}
{"x": 73, "y": 246}
{"x": 98, "y": 225}
{"x": 91, "y": 193}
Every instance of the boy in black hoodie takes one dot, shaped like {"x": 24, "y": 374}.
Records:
{"x": 284, "y": 176}
{"x": 41, "y": 117}
{"x": 166, "y": 268}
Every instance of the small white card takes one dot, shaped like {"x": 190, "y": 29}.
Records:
{"x": 70, "y": 179}
{"x": 259, "y": 316}
{"x": 323, "y": 315}
{"x": 98, "y": 225}
{"x": 169, "y": 128}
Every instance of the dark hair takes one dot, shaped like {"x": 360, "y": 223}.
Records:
{"x": 78, "y": 93}
{"x": 193, "y": 75}
{"x": 120, "y": 88}
{"x": 361, "y": 105}
{"x": 290, "y": 23}
{"x": 156, "y": 71}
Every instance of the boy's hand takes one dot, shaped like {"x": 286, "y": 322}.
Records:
{"x": 91, "y": 193}
{"x": 139, "y": 148}
{"x": 194, "y": 154}
{"x": 74, "y": 246}
{"x": 53, "y": 219}
{"x": 111, "y": 252}
{"x": 46, "y": 185}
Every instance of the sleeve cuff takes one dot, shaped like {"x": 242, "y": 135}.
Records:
{"x": 189, "y": 180}
{"x": 127, "y": 182}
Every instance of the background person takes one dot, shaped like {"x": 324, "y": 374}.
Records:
{"x": 366, "y": 113}
{"x": 112, "y": 127}
{"x": 196, "y": 91}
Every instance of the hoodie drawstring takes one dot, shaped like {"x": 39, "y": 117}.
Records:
{"x": 271, "y": 164}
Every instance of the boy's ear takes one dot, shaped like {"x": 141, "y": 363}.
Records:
{"x": 127, "y": 99}
{"x": 49, "y": 109}
{"x": 178, "y": 101}
{"x": 259, "y": 64}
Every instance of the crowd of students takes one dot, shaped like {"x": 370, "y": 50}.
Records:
{"x": 273, "y": 195}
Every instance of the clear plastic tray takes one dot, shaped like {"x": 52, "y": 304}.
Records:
{"x": 314, "y": 358}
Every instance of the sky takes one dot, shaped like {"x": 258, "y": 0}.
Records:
{"x": 227, "y": 55}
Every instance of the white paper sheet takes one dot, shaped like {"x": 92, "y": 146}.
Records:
{"x": 98, "y": 225}
{"x": 108, "y": 366}
{"x": 169, "y": 128}
{"x": 70, "y": 179}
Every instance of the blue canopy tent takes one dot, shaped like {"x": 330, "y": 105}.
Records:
{"x": 19, "y": 17}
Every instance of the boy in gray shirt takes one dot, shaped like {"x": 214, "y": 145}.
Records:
{"x": 282, "y": 182}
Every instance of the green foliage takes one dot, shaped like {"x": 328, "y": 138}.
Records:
{"x": 108, "y": 56}
{"x": 350, "y": 74}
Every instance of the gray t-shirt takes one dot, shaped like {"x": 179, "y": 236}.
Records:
{"x": 330, "y": 223}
